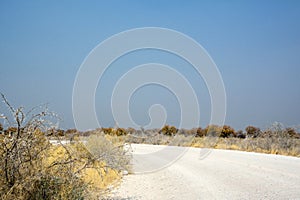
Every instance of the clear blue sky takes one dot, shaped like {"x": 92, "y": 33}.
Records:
{"x": 255, "y": 44}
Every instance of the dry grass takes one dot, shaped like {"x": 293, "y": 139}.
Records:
{"x": 95, "y": 176}
{"x": 282, "y": 146}
{"x": 71, "y": 171}
{"x": 271, "y": 145}
{"x": 33, "y": 168}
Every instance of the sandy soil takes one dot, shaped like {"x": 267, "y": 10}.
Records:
{"x": 222, "y": 174}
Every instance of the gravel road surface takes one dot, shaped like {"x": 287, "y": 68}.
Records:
{"x": 221, "y": 174}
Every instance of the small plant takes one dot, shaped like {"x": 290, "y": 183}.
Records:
{"x": 108, "y": 131}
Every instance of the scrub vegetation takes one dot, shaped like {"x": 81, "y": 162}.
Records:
{"x": 276, "y": 139}
{"x": 40, "y": 161}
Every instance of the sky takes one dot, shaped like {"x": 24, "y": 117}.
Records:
{"x": 254, "y": 44}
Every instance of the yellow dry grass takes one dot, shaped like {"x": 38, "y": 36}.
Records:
{"x": 98, "y": 176}
{"x": 100, "y": 180}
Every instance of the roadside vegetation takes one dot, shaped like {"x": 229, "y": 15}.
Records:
{"x": 32, "y": 167}
{"x": 276, "y": 139}
{"x": 40, "y": 161}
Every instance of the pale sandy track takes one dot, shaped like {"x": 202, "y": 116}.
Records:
{"x": 222, "y": 174}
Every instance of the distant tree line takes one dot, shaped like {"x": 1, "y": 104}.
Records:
{"x": 225, "y": 131}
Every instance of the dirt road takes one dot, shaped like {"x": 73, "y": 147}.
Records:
{"x": 222, "y": 174}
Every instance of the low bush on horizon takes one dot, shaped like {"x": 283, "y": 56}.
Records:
{"x": 275, "y": 140}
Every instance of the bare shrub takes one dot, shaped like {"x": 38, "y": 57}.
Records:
{"x": 252, "y": 131}
{"x": 33, "y": 168}
{"x": 22, "y": 148}
{"x": 146, "y": 137}
{"x": 105, "y": 150}
{"x": 213, "y": 130}
{"x": 130, "y": 130}
{"x": 181, "y": 140}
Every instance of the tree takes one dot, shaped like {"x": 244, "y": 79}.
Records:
{"x": 22, "y": 149}
{"x": 252, "y": 131}
{"x": 200, "y": 132}
{"x": 120, "y": 132}
{"x": 169, "y": 130}
{"x": 71, "y": 131}
{"x": 277, "y": 130}
{"x": 240, "y": 134}
{"x": 227, "y": 131}
{"x": 291, "y": 132}
{"x": 108, "y": 131}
